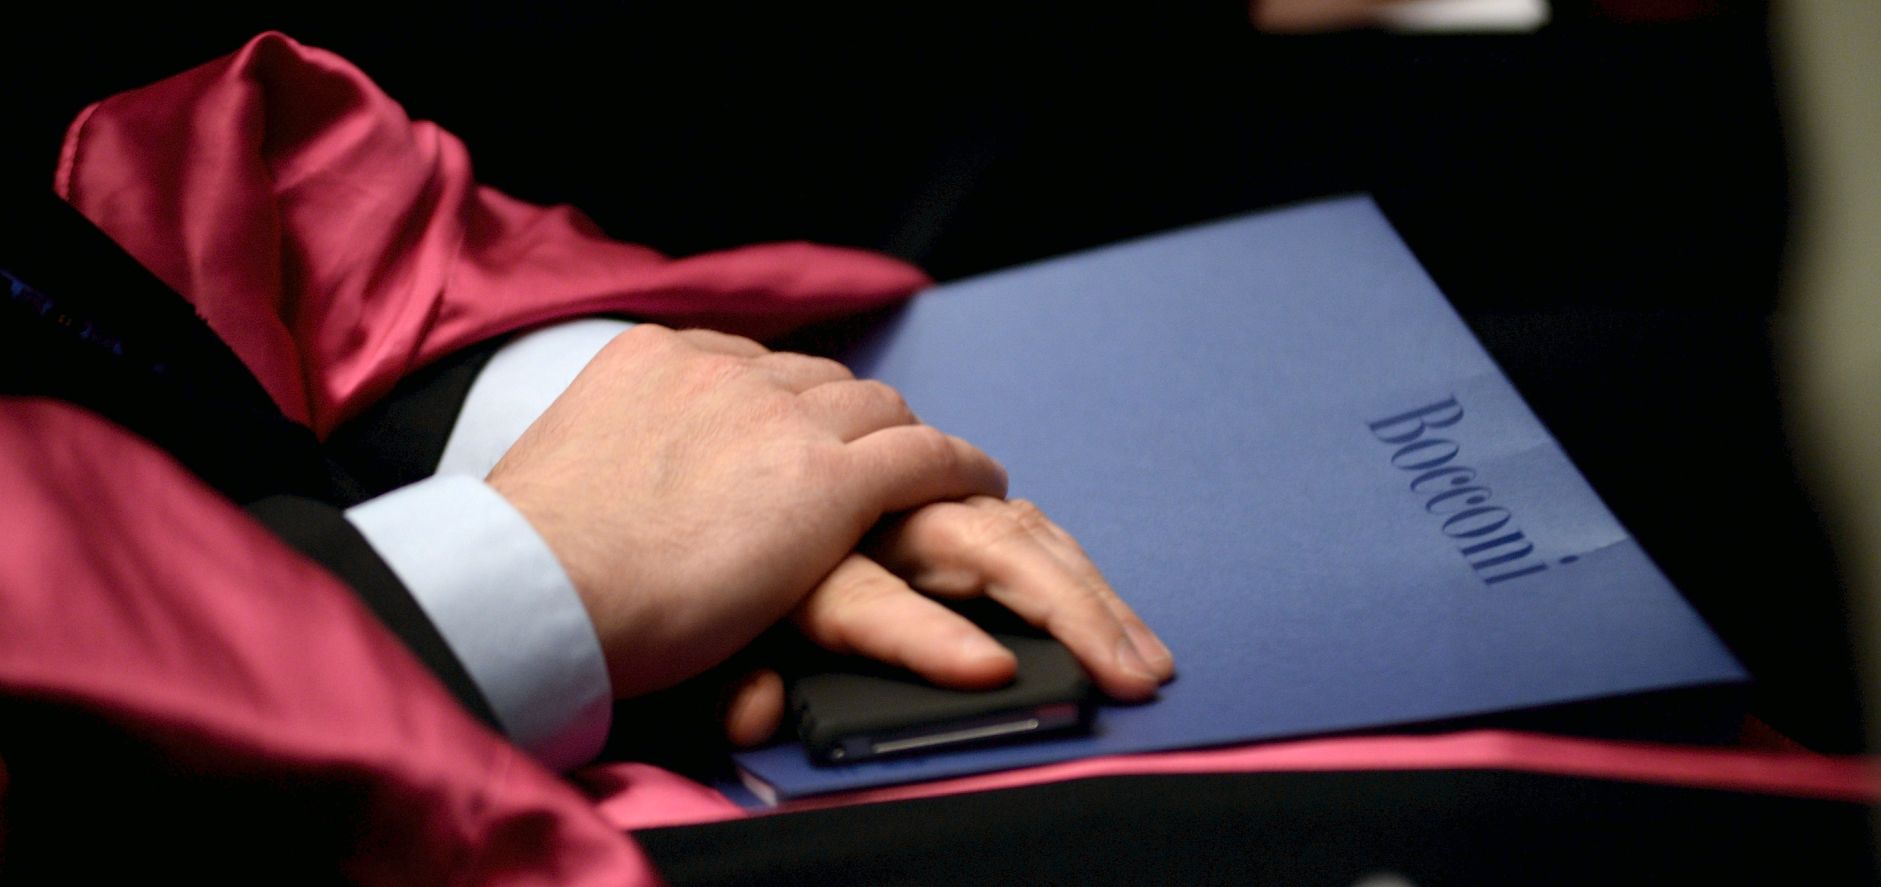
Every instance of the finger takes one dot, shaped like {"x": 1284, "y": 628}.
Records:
{"x": 754, "y": 708}
{"x": 1063, "y": 546}
{"x": 722, "y": 343}
{"x": 862, "y": 608}
{"x": 801, "y": 372}
{"x": 1149, "y": 649}
{"x": 956, "y": 548}
{"x": 857, "y": 407}
{"x": 906, "y": 466}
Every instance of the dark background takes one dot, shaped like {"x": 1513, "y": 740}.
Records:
{"x": 1604, "y": 201}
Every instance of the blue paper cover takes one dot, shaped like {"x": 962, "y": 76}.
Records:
{"x": 1287, "y": 452}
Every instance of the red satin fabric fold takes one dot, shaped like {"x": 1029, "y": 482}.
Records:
{"x": 336, "y": 244}
{"x": 148, "y": 609}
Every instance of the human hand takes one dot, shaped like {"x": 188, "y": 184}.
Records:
{"x": 877, "y": 603}
{"x": 696, "y": 486}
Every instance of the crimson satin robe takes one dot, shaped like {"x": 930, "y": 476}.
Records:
{"x": 335, "y": 245}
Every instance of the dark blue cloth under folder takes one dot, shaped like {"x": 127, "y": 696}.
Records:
{"x": 1285, "y": 449}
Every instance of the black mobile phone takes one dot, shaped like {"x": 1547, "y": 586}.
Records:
{"x": 847, "y": 709}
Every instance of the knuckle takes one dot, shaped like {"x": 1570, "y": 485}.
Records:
{"x": 780, "y": 361}
{"x": 889, "y": 396}
{"x": 741, "y": 341}
{"x": 870, "y": 586}
{"x": 714, "y": 370}
{"x": 641, "y": 337}
{"x": 815, "y": 465}
{"x": 850, "y": 605}
{"x": 1028, "y": 514}
{"x": 718, "y": 340}
{"x": 646, "y": 332}
{"x": 776, "y": 411}
{"x": 933, "y": 447}
{"x": 804, "y": 364}
{"x": 991, "y": 529}
{"x": 833, "y": 369}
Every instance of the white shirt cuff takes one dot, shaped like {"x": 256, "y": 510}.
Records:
{"x": 481, "y": 573}
{"x": 505, "y": 606}
{"x": 516, "y": 386}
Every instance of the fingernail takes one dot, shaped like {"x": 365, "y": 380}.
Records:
{"x": 1154, "y": 652}
{"x": 1132, "y": 662}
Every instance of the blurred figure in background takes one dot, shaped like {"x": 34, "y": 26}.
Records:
{"x": 1832, "y": 350}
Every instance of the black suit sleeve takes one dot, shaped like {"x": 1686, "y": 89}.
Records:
{"x": 321, "y": 532}
{"x": 396, "y": 442}
{"x": 81, "y": 321}
{"x": 399, "y": 440}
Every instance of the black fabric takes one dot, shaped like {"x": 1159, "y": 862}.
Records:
{"x": 87, "y": 803}
{"x": 1465, "y": 827}
{"x": 81, "y": 321}
{"x": 400, "y": 439}
{"x": 321, "y": 532}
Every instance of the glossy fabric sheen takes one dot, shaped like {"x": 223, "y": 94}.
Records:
{"x": 200, "y": 635}
{"x": 336, "y": 244}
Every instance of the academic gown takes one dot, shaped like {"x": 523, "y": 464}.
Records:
{"x": 161, "y": 654}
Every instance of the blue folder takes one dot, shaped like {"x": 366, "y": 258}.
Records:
{"x": 1287, "y": 452}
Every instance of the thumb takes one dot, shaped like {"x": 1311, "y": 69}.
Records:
{"x": 754, "y": 707}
